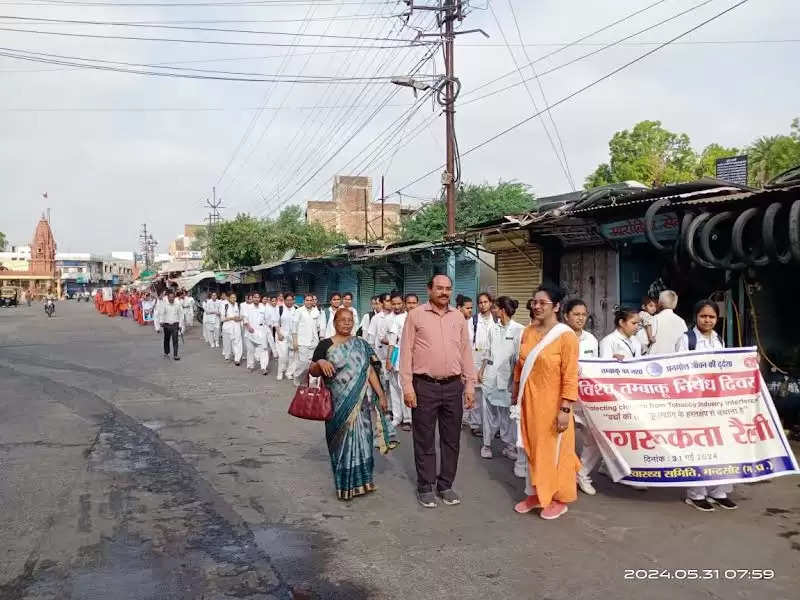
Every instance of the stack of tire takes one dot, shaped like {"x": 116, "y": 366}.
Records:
{"x": 732, "y": 240}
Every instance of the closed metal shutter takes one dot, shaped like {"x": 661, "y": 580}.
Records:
{"x": 384, "y": 283}
{"x": 320, "y": 288}
{"x": 366, "y": 290}
{"x": 347, "y": 281}
{"x": 591, "y": 275}
{"x": 302, "y": 287}
{"x": 518, "y": 278}
{"x": 415, "y": 281}
{"x": 466, "y": 282}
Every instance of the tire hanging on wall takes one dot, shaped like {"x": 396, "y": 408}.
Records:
{"x": 705, "y": 243}
{"x": 650, "y": 220}
{"x": 687, "y": 240}
{"x": 768, "y": 234}
{"x": 737, "y": 239}
{"x": 794, "y": 230}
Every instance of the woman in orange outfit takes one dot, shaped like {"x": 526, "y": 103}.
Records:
{"x": 545, "y": 387}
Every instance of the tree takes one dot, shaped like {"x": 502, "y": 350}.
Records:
{"x": 707, "y": 160}
{"x": 2, "y": 241}
{"x": 648, "y": 153}
{"x": 247, "y": 241}
{"x": 769, "y": 156}
{"x": 474, "y": 204}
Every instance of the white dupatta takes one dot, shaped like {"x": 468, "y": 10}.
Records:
{"x": 516, "y": 411}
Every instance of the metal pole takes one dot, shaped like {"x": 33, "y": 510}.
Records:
{"x": 383, "y": 200}
{"x": 449, "y": 109}
{"x": 366, "y": 219}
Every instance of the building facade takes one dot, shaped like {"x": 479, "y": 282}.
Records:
{"x": 353, "y": 212}
{"x": 40, "y": 276}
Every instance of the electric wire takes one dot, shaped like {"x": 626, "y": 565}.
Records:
{"x": 577, "y": 92}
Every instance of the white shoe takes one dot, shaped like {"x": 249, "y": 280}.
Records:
{"x": 586, "y": 486}
{"x": 280, "y": 376}
{"x": 519, "y": 471}
{"x": 510, "y": 453}
{"x": 486, "y": 452}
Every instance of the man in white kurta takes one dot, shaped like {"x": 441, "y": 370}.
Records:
{"x": 283, "y": 335}
{"x": 188, "y": 310}
{"x": 255, "y": 335}
{"x": 336, "y": 303}
{"x": 231, "y": 331}
{"x": 211, "y": 323}
{"x": 666, "y": 326}
{"x": 305, "y": 337}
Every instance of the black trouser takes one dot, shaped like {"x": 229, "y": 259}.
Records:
{"x": 171, "y": 332}
{"x": 442, "y": 402}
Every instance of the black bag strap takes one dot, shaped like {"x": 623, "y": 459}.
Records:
{"x": 474, "y": 327}
{"x": 691, "y": 336}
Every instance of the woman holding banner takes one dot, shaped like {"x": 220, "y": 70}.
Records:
{"x": 546, "y": 387}
{"x": 703, "y": 338}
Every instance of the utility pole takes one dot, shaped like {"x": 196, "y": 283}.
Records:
{"x": 366, "y": 218}
{"x": 383, "y": 201}
{"x": 147, "y": 244}
{"x": 448, "y": 11}
{"x": 452, "y": 11}
{"x": 214, "y": 217}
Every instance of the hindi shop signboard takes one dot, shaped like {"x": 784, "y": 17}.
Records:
{"x": 732, "y": 169}
{"x": 685, "y": 419}
{"x": 665, "y": 227}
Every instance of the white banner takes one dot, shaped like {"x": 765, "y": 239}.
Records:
{"x": 684, "y": 419}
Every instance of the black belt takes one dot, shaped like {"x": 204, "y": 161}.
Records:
{"x": 437, "y": 380}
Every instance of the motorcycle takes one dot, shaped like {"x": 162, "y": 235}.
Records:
{"x": 49, "y": 307}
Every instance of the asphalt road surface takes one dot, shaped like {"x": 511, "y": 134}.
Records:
{"x": 126, "y": 476}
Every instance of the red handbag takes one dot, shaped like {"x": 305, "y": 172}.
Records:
{"x": 312, "y": 403}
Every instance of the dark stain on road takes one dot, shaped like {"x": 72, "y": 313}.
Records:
{"x": 85, "y": 515}
{"x": 251, "y": 463}
{"x": 776, "y": 511}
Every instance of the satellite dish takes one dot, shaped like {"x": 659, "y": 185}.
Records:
{"x": 288, "y": 255}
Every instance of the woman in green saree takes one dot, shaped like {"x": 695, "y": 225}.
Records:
{"x": 344, "y": 362}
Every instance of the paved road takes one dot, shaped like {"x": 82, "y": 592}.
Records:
{"x": 129, "y": 477}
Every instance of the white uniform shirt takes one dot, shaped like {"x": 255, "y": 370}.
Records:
{"x": 395, "y": 332}
{"x": 229, "y": 310}
{"x": 617, "y": 343}
{"x": 306, "y": 327}
{"x": 330, "y": 331}
{"x": 209, "y": 307}
{"x": 502, "y": 354}
{"x": 378, "y": 328}
{"x": 256, "y": 317}
{"x": 479, "y": 334}
{"x": 704, "y": 344}
{"x": 588, "y": 346}
{"x": 364, "y": 326}
{"x": 170, "y": 312}
{"x": 667, "y": 330}
{"x": 284, "y": 321}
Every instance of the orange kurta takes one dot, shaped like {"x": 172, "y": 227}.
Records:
{"x": 554, "y": 376}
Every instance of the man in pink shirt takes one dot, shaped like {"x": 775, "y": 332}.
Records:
{"x": 438, "y": 380}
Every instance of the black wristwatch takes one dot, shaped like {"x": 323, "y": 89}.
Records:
{"x": 565, "y": 409}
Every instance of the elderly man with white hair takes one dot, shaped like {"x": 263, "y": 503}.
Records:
{"x": 667, "y": 327}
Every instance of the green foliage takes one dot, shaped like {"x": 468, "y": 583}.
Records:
{"x": 474, "y": 204}
{"x": 769, "y": 156}
{"x": 247, "y": 241}
{"x": 707, "y": 159}
{"x": 648, "y": 153}
{"x": 2, "y": 241}
{"x": 652, "y": 155}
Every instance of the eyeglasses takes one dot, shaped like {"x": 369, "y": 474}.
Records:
{"x": 540, "y": 302}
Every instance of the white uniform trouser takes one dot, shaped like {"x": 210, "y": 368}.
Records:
{"x": 497, "y": 418}
{"x": 282, "y": 349}
{"x": 205, "y": 330}
{"x": 718, "y": 491}
{"x": 211, "y": 331}
{"x": 590, "y": 453}
{"x": 400, "y": 412}
{"x": 303, "y": 361}
{"x": 257, "y": 352}
{"x": 188, "y": 317}
{"x": 232, "y": 341}
{"x": 474, "y": 416}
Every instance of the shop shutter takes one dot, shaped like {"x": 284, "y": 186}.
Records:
{"x": 347, "y": 281}
{"x": 415, "y": 280}
{"x": 591, "y": 275}
{"x": 320, "y": 287}
{"x": 384, "y": 283}
{"x": 518, "y": 278}
{"x": 366, "y": 290}
{"x": 302, "y": 287}
{"x": 466, "y": 282}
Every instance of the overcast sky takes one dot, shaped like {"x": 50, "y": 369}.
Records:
{"x": 115, "y": 150}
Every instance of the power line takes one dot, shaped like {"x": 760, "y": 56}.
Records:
{"x": 212, "y": 42}
{"x": 559, "y": 158}
{"x": 187, "y": 4}
{"x": 357, "y": 17}
{"x": 544, "y": 96}
{"x": 576, "y": 92}
{"x": 579, "y": 58}
{"x": 187, "y": 28}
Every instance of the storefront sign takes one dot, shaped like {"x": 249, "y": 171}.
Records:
{"x": 685, "y": 419}
{"x": 665, "y": 227}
